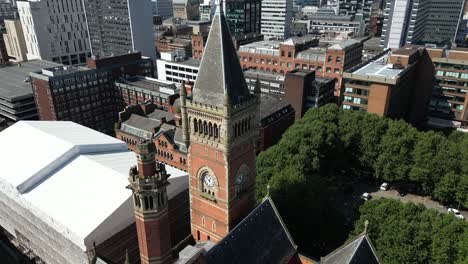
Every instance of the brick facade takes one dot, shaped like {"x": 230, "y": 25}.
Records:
{"x": 336, "y": 61}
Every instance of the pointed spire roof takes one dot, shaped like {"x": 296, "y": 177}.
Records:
{"x": 220, "y": 79}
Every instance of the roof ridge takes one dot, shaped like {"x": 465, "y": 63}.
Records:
{"x": 281, "y": 221}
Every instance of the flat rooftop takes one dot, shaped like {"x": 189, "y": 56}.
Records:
{"x": 147, "y": 83}
{"x": 188, "y": 62}
{"x": 379, "y": 68}
{"x": 252, "y": 73}
{"x": 12, "y": 79}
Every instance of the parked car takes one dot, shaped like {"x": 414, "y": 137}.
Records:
{"x": 366, "y": 196}
{"x": 385, "y": 186}
{"x": 456, "y": 213}
{"x": 402, "y": 192}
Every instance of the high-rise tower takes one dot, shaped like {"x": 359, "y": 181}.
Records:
{"x": 148, "y": 183}
{"x": 221, "y": 127}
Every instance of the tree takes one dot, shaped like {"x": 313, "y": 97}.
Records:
{"x": 395, "y": 158}
{"x": 445, "y": 190}
{"x": 409, "y": 233}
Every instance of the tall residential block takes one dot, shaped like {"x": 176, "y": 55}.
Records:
{"x": 243, "y": 16}
{"x": 55, "y": 31}
{"x": 420, "y": 22}
{"x": 354, "y": 7}
{"x": 186, "y": 9}
{"x": 14, "y": 40}
{"x": 276, "y": 18}
{"x": 120, "y": 27}
{"x": 394, "y": 84}
{"x": 449, "y": 102}
{"x": 162, "y": 8}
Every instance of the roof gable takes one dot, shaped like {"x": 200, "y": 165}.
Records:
{"x": 261, "y": 237}
{"x": 220, "y": 78}
{"x": 359, "y": 250}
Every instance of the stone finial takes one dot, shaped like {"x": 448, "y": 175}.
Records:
{"x": 366, "y": 224}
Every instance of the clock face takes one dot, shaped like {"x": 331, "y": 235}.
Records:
{"x": 209, "y": 180}
{"x": 240, "y": 178}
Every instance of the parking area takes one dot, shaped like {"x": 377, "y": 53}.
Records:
{"x": 426, "y": 201}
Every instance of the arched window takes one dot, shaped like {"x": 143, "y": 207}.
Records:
{"x": 146, "y": 203}
{"x": 268, "y": 69}
{"x": 195, "y": 125}
{"x": 289, "y": 54}
{"x": 151, "y": 202}
{"x": 205, "y": 128}
{"x": 262, "y": 69}
{"x": 215, "y": 133}
{"x": 200, "y": 127}
{"x": 330, "y": 58}
{"x": 282, "y": 72}
{"x": 248, "y": 123}
{"x": 210, "y": 129}
{"x": 274, "y": 70}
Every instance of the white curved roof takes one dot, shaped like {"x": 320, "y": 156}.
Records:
{"x": 71, "y": 177}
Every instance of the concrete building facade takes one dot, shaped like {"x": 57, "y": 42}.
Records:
{"x": 55, "y": 31}
{"x": 243, "y": 16}
{"x": 276, "y": 19}
{"x": 162, "y": 8}
{"x": 14, "y": 40}
{"x": 120, "y": 27}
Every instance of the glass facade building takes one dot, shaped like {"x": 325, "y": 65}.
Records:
{"x": 243, "y": 16}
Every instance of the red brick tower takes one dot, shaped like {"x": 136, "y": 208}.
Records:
{"x": 148, "y": 181}
{"x": 221, "y": 129}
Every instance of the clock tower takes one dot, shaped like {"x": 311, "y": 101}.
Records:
{"x": 221, "y": 125}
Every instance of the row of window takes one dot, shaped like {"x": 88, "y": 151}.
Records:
{"x": 206, "y": 128}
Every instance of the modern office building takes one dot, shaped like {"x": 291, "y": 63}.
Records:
{"x": 162, "y": 8}
{"x": 207, "y": 10}
{"x": 442, "y": 21}
{"x": 243, "y": 16}
{"x": 87, "y": 94}
{"x": 449, "y": 102}
{"x": 303, "y": 53}
{"x": 404, "y": 22}
{"x": 55, "y": 32}
{"x": 420, "y": 22}
{"x": 394, "y": 84}
{"x": 8, "y": 10}
{"x": 120, "y": 27}
{"x": 326, "y": 24}
{"x": 15, "y": 43}
{"x": 16, "y": 95}
{"x": 177, "y": 69}
{"x": 186, "y": 9}
{"x": 276, "y": 18}
{"x": 354, "y": 7}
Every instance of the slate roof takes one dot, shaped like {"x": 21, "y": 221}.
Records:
{"x": 220, "y": 73}
{"x": 140, "y": 126}
{"x": 359, "y": 250}
{"x": 270, "y": 104}
{"x": 158, "y": 114}
{"x": 261, "y": 237}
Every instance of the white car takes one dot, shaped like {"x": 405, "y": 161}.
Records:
{"x": 366, "y": 196}
{"x": 456, "y": 213}
{"x": 384, "y": 186}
